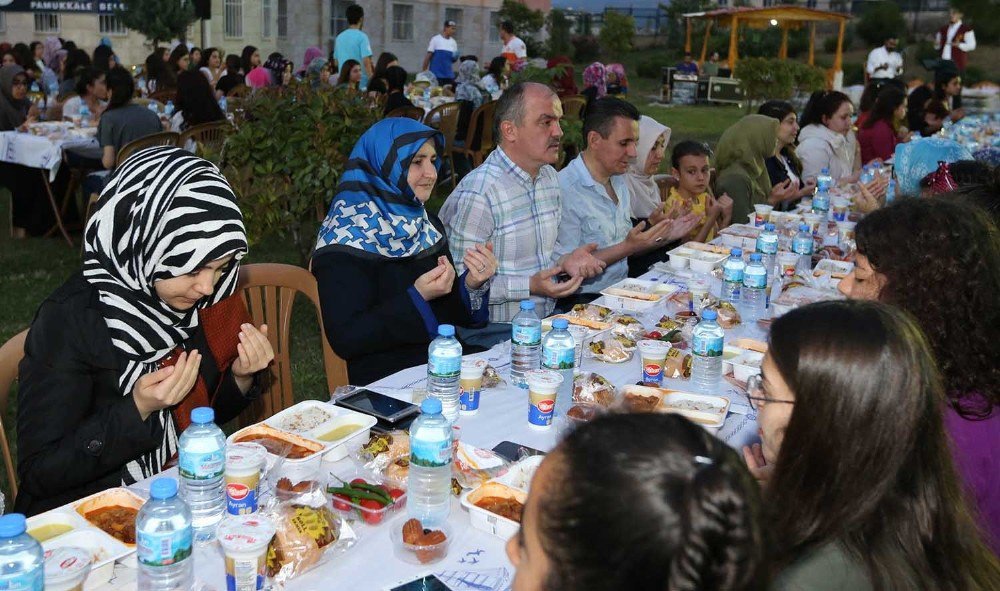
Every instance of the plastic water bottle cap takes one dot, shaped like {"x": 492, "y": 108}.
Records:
{"x": 736, "y": 252}
{"x": 709, "y": 315}
{"x": 560, "y": 324}
{"x": 769, "y": 227}
{"x": 202, "y": 415}
{"x": 825, "y": 171}
{"x": 446, "y": 330}
{"x": 12, "y": 525}
{"x": 163, "y": 488}
{"x": 527, "y": 305}
{"x": 430, "y": 406}
{"x": 803, "y": 227}
{"x": 755, "y": 257}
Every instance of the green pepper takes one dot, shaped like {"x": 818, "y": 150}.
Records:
{"x": 356, "y": 494}
{"x": 374, "y": 489}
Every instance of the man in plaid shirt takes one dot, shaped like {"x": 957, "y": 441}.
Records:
{"x": 512, "y": 201}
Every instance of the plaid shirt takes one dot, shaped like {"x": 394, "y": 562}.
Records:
{"x": 499, "y": 202}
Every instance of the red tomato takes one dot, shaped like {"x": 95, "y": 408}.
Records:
{"x": 371, "y": 511}
{"x": 341, "y": 502}
{"x": 395, "y": 493}
{"x": 654, "y": 335}
{"x": 359, "y": 481}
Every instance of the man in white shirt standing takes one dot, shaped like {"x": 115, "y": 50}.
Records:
{"x": 955, "y": 40}
{"x": 441, "y": 54}
{"x": 884, "y": 61}
{"x": 514, "y": 48}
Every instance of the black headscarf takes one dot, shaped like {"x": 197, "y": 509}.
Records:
{"x": 12, "y": 112}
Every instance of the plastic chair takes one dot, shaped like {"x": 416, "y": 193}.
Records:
{"x": 212, "y": 134}
{"x": 573, "y": 107}
{"x": 11, "y": 354}
{"x": 445, "y": 119}
{"x": 412, "y": 112}
{"x": 481, "y": 127}
{"x": 269, "y": 290}
{"x": 164, "y": 138}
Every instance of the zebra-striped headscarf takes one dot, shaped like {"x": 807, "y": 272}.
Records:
{"x": 164, "y": 213}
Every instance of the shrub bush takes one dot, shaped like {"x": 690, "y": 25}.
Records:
{"x": 879, "y": 21}
{"x": 586, "y": 48}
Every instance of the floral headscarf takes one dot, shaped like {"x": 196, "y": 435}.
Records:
{"x": 619, "y": 71}
{"x": 467, "y": 84}
{"x": 596, "y": 76}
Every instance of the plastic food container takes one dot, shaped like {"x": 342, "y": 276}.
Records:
{"x": 829, "y": 272}
{"x": 634, "y": 295}
{"x": 325, "y": 423}
{"x": 66, "y": 568}
{"x": 354, "y": 511}
{"x": 415, "y": 553}
{"x": 121, "y": 497}
{"x": 700, "y": 261}
{"x": 488, "y": 521}
{"x": 729, "y": 354}
{"x": 296, "y": 470}
{"x": 104, "y": 551}
{"x": 52, "y": 524}
{"x": 244, "y": 541}
{"x": 746, "y": 365}
{"x": 520, "y": 474}
{"x": 708, "y": 411}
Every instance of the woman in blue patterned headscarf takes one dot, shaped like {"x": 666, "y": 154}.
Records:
{"x": 916, "y": 159}
{"x": 386, "y": 277}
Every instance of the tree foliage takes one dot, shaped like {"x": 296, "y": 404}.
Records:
{"x": 559, "y": 28}
{"x": 158, "y": 20}
{"x": 527, "y": 23}
{"x": 287, "y": 155}
{"x": 879, "y": 21}
{"x": 982, "y": 16}
{"x": 616, "y": 34}
{"x": 765, "y": 79}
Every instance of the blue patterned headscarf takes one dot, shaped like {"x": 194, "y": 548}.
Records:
{"x": 918, "y": 158}
{"x": 375, "y": 212}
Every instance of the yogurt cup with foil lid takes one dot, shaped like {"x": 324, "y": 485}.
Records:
{"x": 66, "y": 568}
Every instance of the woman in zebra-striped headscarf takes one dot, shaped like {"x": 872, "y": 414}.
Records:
{"x": 118, "y": 356}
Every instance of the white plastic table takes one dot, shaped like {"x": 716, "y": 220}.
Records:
{"x": 476, "y": 560}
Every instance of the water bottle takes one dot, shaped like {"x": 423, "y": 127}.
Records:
{"x": 444, "y": 368}
{"x": 168, "y": 109}
{"x": 202, "y": 463}
{"x": 867, "y": 175}
{"x": 821, "y": 203}
{"x": 22, "y": 561}
{"x": 429, "y": 479}
{"x": 427, "y": 96}
{"x": 153, "y": 108}
{"x": 84, "y": 114}
{"x": 223, "y": 104}
{"x": 755, "y": 289}
{"x": 732, "y": 276}
{"x": 526, "y": 340}
{"x": 767, "y": 245}
{"x": 164, "y": 540}
{"x": 802, "y": 245}
{"x": 706, "y": 365}
{"x": 53, "y": 90}
{"x": 824, "y": 182}
{"x": 558, "y": 352}
{"x": 890, "y": 192}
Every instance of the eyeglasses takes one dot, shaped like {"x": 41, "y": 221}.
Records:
{"x": 755, "y": 393}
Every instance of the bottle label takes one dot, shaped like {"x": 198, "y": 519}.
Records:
{"x": 755, "y": 280}
{"x": 557, "y": 358}
{"x": 430, "y": 454}
{"x": 707, "y": 346}
{"x": 444, "y": 366}
{"x": 163, "y": 548}
{"x": 202, "y": 466}
{"x": 767, "y": 246}
{"x": 33, "y": 580}
{"x": 803, "y": 246}
{"x": 732, "y": 274}
{"x": 527, "y": 335}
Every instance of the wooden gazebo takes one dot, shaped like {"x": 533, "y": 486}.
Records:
{"x": 786, "y": 17}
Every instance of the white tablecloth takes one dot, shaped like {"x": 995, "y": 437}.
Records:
{"x": 476, "y": 560}
{"x": 38, "y": 151}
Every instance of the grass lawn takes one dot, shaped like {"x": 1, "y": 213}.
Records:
{"x": 31, "y": 269}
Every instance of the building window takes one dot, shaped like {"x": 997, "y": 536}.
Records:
{"x": 265, "y": 18}
{"x": 282, "y": 18}
{"x": 3, "y": 22}
{"x": 234, "y": 18}
{"x": 110, "y": 24}
{"x": 402, "y": 22}
{"x": 46, "y": 22}
{"x": 338, "y": 16}
{"x": 455, "y": 14}
{"x": 495, "y": 27}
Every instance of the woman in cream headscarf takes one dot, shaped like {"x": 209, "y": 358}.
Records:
{"x": 741, "y": 161}
{"x": 645, "y": 194}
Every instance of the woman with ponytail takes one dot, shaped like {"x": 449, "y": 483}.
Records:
{"x": 640, "y": 502}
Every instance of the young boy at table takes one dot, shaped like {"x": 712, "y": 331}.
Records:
{"x": 692, "y": 169}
